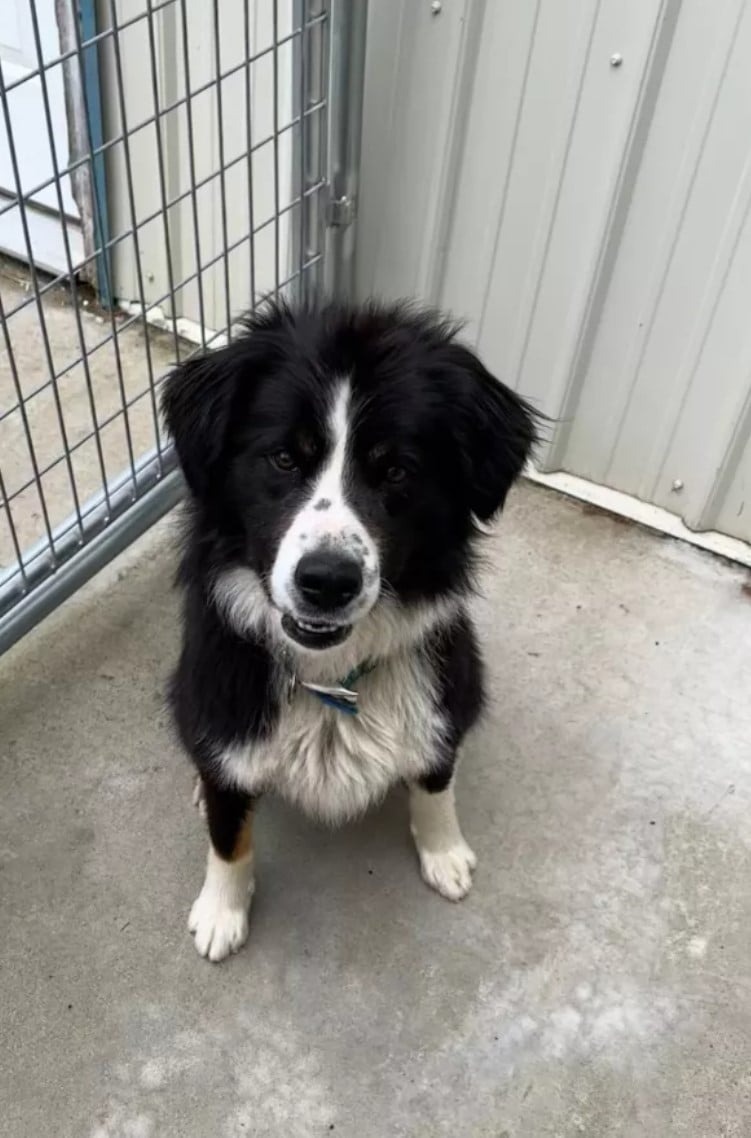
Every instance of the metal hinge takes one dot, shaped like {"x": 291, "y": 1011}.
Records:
{"x": 340, "y": 212}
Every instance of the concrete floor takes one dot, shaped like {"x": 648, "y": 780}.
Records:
{"x": 596, "y": 982}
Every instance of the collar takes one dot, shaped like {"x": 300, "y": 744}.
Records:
{"x": 342, "y": 696}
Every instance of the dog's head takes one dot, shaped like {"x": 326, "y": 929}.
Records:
{"x": 343, "y": 455}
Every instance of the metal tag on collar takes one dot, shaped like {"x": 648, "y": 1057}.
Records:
{"x": 342, "y": 696}
{"x": 335, "y": 693}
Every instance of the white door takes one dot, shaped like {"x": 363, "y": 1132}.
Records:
{"x": 33, "y": 147}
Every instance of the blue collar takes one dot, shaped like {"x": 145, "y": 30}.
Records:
{"x": 342, "y": 696}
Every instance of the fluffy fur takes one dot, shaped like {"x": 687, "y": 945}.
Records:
{"x": 337, "y": 461}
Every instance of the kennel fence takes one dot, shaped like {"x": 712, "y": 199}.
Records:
{"x": 199, "y": 158}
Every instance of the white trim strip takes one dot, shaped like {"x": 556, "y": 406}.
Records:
{"x": 645, "y": 513}
{"x": 186, "y": 329}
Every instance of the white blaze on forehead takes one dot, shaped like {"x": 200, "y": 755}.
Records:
{"x": 328, "y": 497}
{"x": 326, "y": 519}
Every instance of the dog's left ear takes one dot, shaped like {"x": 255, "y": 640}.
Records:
{"x": 499, "y": 433}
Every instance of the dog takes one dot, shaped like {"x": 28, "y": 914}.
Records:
{"x": 338, "y": 461}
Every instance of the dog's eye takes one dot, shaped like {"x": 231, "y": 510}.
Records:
{"x": 283, "y": 461}
{"x": 395, "y": 474}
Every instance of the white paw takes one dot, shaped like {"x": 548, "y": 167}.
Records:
{"x": 218, "y": 928}
{"x": 449, "y": 871}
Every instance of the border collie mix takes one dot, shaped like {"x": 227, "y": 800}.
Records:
{"x": 338, "y": 460}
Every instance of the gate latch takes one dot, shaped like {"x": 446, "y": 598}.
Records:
{"x": 340, "y": 212}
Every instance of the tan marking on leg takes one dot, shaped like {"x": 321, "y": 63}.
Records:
{"x": 199, "y": 796}
{"x": 244, "y": 842}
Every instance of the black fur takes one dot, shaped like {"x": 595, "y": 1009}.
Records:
{"x": 437, "y": 442}
{"x": 222, "y": 689}
{"x": 226, "y": 812}
{"x": 457, "y": 664}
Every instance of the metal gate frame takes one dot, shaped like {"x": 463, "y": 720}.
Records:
{"x": 323, "y": 249}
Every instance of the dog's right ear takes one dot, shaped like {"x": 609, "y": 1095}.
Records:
{"x": 196, "y": 404}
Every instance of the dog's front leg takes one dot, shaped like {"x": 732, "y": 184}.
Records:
{"x": 446, "y": 861}
{"x": 219, "y": 917}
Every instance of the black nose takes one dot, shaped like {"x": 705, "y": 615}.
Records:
{"x": 328, "y": 580}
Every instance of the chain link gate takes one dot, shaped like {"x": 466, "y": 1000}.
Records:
{"x": 196, "y": 158}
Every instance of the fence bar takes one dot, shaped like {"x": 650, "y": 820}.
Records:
{"x": 275, "y": 33}
{"x": 222, "y": 166}
{"x": 192, "y": 165}
{"x": 101, "y": 253}
{"x": 316, "y": 63}
{"x": 66, "y": 244}
{"x": 349, "y": 19}
{"x": 89, "y": 64}
{"x": 161, "y": 167}
{"x": 5, "y": 502}
{"x": 302, "y": 95}
{"x": 133, "y": 218}
{"x": 249, "y": 150}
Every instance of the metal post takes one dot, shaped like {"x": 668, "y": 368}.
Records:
{"x": 93, "y": 105}
{"x": 349, "y": 20}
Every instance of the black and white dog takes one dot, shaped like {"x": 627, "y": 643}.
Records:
{"x": 338, "y": 460}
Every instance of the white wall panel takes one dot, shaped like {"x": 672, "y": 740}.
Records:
{"x": 668, "y": 376}
{"x": 416, "y": 81}
{"x": 589, "y": 220}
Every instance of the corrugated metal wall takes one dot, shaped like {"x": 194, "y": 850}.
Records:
{"x": 574, "y": 178}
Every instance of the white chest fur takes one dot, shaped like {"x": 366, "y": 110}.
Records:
{"x": 333, "y": 765}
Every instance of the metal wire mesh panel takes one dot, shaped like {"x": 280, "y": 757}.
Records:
{"x": 164, "y": 165}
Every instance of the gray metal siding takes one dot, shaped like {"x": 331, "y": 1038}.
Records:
{"x": 575, "y": 179}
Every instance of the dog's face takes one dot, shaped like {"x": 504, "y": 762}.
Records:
{"x": 343, "y": 455}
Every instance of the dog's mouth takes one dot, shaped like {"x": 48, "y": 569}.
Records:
{"x": 318, "y": 634}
